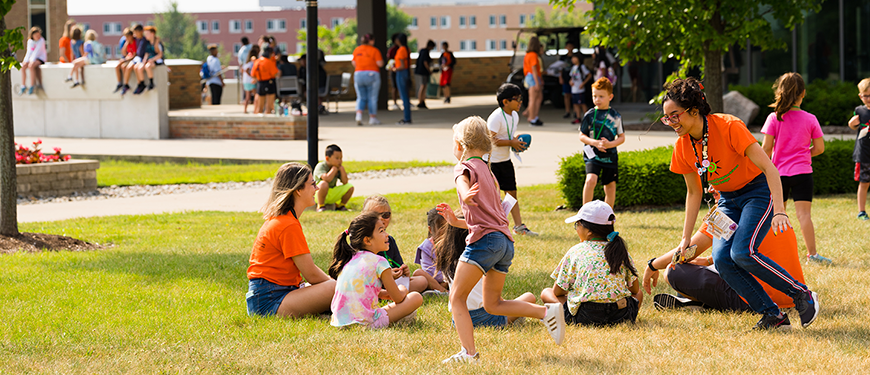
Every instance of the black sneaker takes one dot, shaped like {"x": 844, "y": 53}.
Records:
{"x": 125, "y": 89}
{"x": 567, "y": 115}
{"x": 118, "y": 88}
{"x": 772, "y": 322}
{"x": 139, "y": 89}
{"x": 807, "y": 305}
{"x": 537, "y": 122}
{"x": 422, "y": 106}
{"x": 150, "y": 86}
{"x": 668, "y": 301}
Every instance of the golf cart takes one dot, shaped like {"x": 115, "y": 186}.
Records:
{"x": 552, "y": 39}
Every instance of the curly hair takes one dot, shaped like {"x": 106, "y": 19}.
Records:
{"x": 688, "y": 93}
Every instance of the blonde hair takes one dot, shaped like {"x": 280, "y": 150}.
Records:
{"x": 373, "y": 201}
{"x": 787, "y": 90}
{"x": 290, "y": 178}
{"x": 473, "y": 134}
{"x": 91, "y": 35}
{"x": 34, "y": 30}
{"x": 864, "y": 85}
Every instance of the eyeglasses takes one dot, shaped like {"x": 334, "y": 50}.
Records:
{"x": 862, "y": 96}
{"x": 385, "y": 215}
{"x": 519, "y": 99}
{"x": 671, "y": 120}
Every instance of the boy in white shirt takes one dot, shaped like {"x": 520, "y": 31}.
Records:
{"x": 579, "y": 76}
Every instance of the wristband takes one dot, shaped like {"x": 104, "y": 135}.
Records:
{"x": 650, "y": 265}
{"x": 781, "y": 213}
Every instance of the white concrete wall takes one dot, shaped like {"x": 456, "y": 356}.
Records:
{"x": 91, "y": 110}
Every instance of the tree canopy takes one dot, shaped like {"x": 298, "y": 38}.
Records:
{"x": 695, "y": 32}
{"x": 342, "y": 39}
{"x": 178, "y": 32}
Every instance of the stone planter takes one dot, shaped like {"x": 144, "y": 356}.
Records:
{"x": 58, "y": 178}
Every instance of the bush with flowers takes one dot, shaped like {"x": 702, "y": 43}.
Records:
{"x": 34, "y": 155}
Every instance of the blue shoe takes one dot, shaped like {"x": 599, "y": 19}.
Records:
{"x": 818, "y": 259}
{"x": 23, "y": 90}
{"x": 863, "y": 216}
{"x": 30, "y": 90}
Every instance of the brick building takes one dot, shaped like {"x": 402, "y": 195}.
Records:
{"x": 49, "y": 15}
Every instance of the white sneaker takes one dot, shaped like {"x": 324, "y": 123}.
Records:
{"x": 462, "y": 357}
{"x": 359, "y": 119}
{"x": 396, "y": 107}
{"x": 407, "y": 319}
{"x": 374, "y": 121}
{"x": 554, "y": 320}
{"x": 435, "y": 293}
{"x": 523, "y": 230}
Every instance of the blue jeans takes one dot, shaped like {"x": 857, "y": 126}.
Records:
{"x": 367, "y": 85}
{"x": 402, "y": 80}
{"x": 738, "y": 259}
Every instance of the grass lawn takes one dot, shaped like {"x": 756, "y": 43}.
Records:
{"x": 169, "y": 298}
{"x": 123, "y": 173}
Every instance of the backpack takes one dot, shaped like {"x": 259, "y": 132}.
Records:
{"x": 204, "y": 72}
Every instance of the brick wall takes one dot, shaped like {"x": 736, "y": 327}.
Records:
{"x": 184, "y": 90}
{"x": 17, "y": 16}
{"x": 60, "y": 178}
{"x": 226, "y": 127}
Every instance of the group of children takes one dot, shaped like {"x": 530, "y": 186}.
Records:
{"x": 144, "y": 51}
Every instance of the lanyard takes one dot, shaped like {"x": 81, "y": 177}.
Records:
{"x": 504, "y": 116}
{"x": 594, "y": 121}
{"x": 702, "y": 163}
{"x": 474, "y": 157}
{"x": 393, "y": 263}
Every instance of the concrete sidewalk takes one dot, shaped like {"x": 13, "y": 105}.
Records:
{"x": 428, "y": 139}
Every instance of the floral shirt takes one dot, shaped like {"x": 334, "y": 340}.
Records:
{"x": 584, "y": 273}
{"x": 356, "y": 291}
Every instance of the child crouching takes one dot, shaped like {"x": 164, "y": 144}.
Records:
{"x": 360, "y": 274}
{"x": 596, "y": 280}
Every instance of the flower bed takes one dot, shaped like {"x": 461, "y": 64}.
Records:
{"x": 41, "y": 175}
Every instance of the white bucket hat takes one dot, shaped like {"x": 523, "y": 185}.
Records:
{"x": 595, "y": 212}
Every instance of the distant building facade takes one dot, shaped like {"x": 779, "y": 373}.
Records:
{"x": 49, "y": 15}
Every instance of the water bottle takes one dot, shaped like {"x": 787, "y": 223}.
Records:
{"x": 277, "y": 107}
{"x": 286, "y": 110}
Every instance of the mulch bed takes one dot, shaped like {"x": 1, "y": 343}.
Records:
{"x": 38, "y": 242}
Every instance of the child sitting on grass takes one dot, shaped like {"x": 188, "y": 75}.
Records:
{"x": 327, "y": 174}
{"x": 401, "y": 272}
{"x": 360, "y": 274}
{"x": 450, "y": 247}
{"x": 596, "y": 280}
{"x": 426, "y": 256}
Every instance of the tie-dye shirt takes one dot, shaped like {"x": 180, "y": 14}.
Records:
{"x": 356, "y": 291}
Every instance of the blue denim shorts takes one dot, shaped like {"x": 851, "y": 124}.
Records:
{"x": 264, "y": 297}
{"x": 529, "y": 80}
{"x": 481, "y": 318}
{"x": 493, "y": 251}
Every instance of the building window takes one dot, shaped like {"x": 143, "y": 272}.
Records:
{"x": 37, "y": 12}
{"x": 202, "y": 27}
{"x": 472, "y": 21}
{"x": 490, "y": 45}
{"x": 282, "y": 48}
{"x": 433, "y": 22}
{"x": 85, "y": 26}
{"x": 215, "y": 27}
{"x": 303, "y": 24}
{"x": 492, "y": 20}
{"x": 473, "y": 45}
{"x": 413, "y": 23}
{"x": 502, "y": 20}
{"x": 108, "y": 51}
{"x": 277, "y": 25}
{"x": 502, "y": 44}
{"x": 462, "y": 45}
{"x": 249, "y": 26}
{"x": 110, "y": 28}
{"x": 445, "y": 22}
{"x": 462, "y": 22}
{"x": 336, "y": 21}
{"x": 236, "y": 48}
{"x": 235, "y": 26}
{"x": 522, "y": 20}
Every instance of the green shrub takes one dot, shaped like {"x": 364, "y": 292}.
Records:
{"x": 831, "y": 102}
{"x": 645, "y": 177}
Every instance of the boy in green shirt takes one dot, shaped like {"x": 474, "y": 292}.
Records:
{"x": 327, "y": 174}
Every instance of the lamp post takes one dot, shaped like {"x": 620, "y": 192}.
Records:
{"x": 312, "y": 63}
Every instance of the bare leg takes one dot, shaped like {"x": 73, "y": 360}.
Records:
{"x": 432, "y": 284}
{"x": 270, "y": 103}
{"x": 548, "y": 296}
{"x": 610, "y": 193}
{"x": 346, "y": 197}
{"x": 466, "y": 278}
{"x": 306, "y": 301}
{"x": 804, "y": 214}
{"x": 418, "y": 284}
{"x": 526, "y": 297}
{"x": 589, "y": 187}
{"x": 411, "y": 303}
{"x": 495, "y": 305}
{"x": 118, "y": 69}
{"x": 322, "y": 190}
{"x": 446, "y": 91}
{"x": 862, "y": 195}
{"x": 149, "y": 70}
{"x": 128, "y": 70}
{"x": 36, "y": 73}
{"x": 566, "y": 98}
{"x": 24, "y": 68}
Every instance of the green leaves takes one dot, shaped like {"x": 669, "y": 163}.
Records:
{"x": 10, "y": 40}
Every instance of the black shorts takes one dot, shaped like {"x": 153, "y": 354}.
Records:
{"x": 505, "y": 175}
{"x": 602, "y": 314}
{"x": 267, "y": 87}
{"x": 606, "y": 175}
{"x": 862, "y": 172}
{"x": 800, "y": 186}
{"x": 393, "y": 79}
{"x": 705, "y": 286}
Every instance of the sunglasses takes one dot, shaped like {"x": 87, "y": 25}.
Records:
{"x": 386, "y": 215}
{"x": 671, "y": 120}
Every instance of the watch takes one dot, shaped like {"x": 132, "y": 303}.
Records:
{"x": 650, "y": 264}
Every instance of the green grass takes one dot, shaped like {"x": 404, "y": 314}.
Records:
{"x": 124, "y": 173}
{"x": 169, "y": 298}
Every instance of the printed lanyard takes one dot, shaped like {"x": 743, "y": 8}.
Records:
{"x": 475, "y": 157}
{"x": 504, "y": 116}
{"x": 392, "y": 263}
{"x": 702, "y": 163}
{"x": 595, "y": 120}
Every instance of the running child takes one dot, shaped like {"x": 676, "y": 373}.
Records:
{"x": 489, "y": 247}
{"x": 502, "y": 124}
{"x": 426, "y": 255}
{"x": 449, "y": 249}
{"x": 792, "y": 137}
{"x": 360, "y": 274}
{"x": 596, "y": 280}
{"x": 601, "y": 132}
{"x": 861, "y": 121}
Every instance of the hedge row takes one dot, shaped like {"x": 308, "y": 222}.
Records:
{"x": 645, "y": 177}
{"x": 833, "y": 103}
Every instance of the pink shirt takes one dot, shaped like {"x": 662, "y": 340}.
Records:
{"x": 488, "y": 216}
{"x": 793, "y": 137}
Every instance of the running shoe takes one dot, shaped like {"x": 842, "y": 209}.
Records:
{"x": 863, "y": 216}
{"x": 554, "y": 320}
{"x": 816, "y": 258}
{"x": 523, "y": 230}
{"x": 462, "y": 357}
{"x": 807, "y": 305}
{"x": 772, "y": 322}
{"x": 669, "y": 301}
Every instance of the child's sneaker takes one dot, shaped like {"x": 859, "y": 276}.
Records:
{"x": 576, "y": 121}
{"x": 807, "y": 305}
{"x": 668, "y": 301}
{"x": 435, "y": 293}
{"x": 462, "y": 357}
{"x": 30, "y": 90}
{"x": 118, "y": 88}
{"x": 407, "y": 319}
{"x": 863, "y": 216}
{"x": 554, "y": 320}
{"x": 816, "y": 258}
{"x": 772, "y": 322}
{"x": 524, "y": 231}
{"x": 23, "y": 90}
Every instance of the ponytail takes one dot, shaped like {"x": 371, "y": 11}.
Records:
{"x": 341, "y": 254}
{"x": 361, "y": 227}
{"x": 787, "y": 89}
{"x": 449, "y": 248}
{"x": 615, "y": 252}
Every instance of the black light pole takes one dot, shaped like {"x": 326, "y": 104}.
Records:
{"x": 312, "y": 63}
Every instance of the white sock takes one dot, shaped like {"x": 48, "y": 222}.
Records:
{"x": 534, "y": 119}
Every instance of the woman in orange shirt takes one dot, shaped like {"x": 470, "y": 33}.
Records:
{"x": 533, "y": 78}
{"x": 401, "y": 67}
{"x": 65, "y": 43}
{"x": 718, "y": 149}
{"x": 280, "y": 257}
{"x": 367, "y": 62}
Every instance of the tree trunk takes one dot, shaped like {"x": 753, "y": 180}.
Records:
{"x": 713, "y": 79}
{"x": 8, "y": 175}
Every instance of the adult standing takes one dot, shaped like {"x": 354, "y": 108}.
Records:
{"x": 216, "y": 80}
{"x": 367, "y": 63}
{"x": 401, "y": 67}
{"x": 391, "y": 55}
{"x": 280, "y": 257}
{"x": 534, "y": 80}
{"x": 65, "y": 45}
{"x": 422, "y": 71}
{"x": 242, "y": 56}
{"x": 565, "y": 80}
{"x": 718, "y": 149}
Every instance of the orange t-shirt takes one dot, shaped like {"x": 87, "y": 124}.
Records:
{"x": 65, "y": 43}
{"x": 403, "y": 59}
{"x": 280, "y": 239}
{"x": 782, "y": 250}
{"x": 264, "y": 69}
{"x": 366, "y": 58}
{"x": 730, "y": 169}
{"x": 532, "y": 61}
